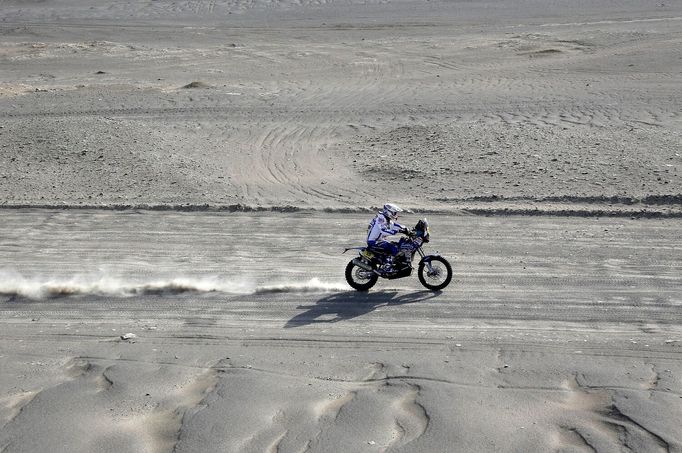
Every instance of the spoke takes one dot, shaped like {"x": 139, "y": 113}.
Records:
{"x": 361, "y": 275}
{"x": 436, "y": 272}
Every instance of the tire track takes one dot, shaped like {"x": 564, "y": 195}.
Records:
{"x": 286, "y": 158}
{"x": 507, "y": 114}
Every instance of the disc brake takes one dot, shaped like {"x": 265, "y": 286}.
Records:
{"x": 431, "y": 271}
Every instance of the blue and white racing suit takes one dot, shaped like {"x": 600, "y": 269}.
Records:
{"x": 379, "y": 228}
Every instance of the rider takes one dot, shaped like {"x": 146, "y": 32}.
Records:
{"x": 383, "y": 225}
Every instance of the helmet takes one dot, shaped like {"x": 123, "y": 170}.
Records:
{"x": 391, "y": 211}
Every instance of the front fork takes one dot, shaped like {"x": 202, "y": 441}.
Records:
{"x": 428, "y": 262}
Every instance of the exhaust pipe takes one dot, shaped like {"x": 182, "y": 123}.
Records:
{"x": 362, "y": 265}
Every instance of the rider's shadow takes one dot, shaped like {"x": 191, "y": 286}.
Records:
{"x": 349, "y": 305}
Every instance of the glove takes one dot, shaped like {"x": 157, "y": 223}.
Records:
{"x": 405, "y": 231}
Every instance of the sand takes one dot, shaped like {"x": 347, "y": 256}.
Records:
{"x": 134, "y": 135}
{"x": 556, "y": 335}
{"x": 327, "y": 106}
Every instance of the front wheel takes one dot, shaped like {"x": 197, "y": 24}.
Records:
{"x": 436, "y": 276}
{"x": 359, "y": 278}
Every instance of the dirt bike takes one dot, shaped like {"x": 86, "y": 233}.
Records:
{"x": 434, "y": 271}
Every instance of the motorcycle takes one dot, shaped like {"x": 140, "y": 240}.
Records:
{"x": 434, "y": 271}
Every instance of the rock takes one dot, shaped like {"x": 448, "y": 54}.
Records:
{"x": 128, "y": 336}
{"x": 196, "y": 84}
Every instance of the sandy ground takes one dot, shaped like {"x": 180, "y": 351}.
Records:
{"x": 335, "y": 105}
{"x": 557, "y": 334}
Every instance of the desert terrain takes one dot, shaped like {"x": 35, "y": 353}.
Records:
{"x": 189, "y": 172}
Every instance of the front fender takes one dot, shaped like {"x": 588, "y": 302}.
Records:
{"x": 428, "y": 258}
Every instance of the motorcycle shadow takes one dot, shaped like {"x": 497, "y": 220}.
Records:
{"x": 349, "y": 305}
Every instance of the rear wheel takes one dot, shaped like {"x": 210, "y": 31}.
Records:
{"x": 437, "y": 276}
{"x": 359, "y": 278}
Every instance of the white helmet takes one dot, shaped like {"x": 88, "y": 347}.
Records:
{"x": 391, "y": 211}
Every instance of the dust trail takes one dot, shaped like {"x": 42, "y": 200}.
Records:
{"x": 311, "y": 286}
{"x": 14, "y": 284}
